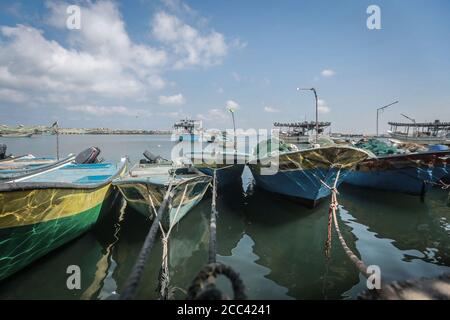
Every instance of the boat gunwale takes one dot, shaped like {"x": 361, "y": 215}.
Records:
{"x": 23, "y": 186}
{"x": 24, "y": 172}
{"x": 12, "y": 158}
{"x": 126, "y": 180}
{"x": 256, "y": 158}
{"x": 400, "y": 155}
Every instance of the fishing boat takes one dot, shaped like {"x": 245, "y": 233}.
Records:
{"x": 16, "y": 135}
{"x": 228, "y": 165}
{"x": 187, "y": 130}
{"x": 422, "y": 133}
{"x": 305, "y": 175}
{"x": 391, "y": 170}
{"x": 299, "y": 132}
{"x": 147, "y": 182}
{"x": 22, "y": 166}
{"x": 45, "y": 210}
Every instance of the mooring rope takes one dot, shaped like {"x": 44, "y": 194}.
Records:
{"x": 334, "y": 205}
{"x": 212, "y": 223}
{"x": 134, "y": 279}
{"x": 203, "y": 286}
{"x": 164, "y": 272}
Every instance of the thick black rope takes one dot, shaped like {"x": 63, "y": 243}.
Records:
{"x": 134, "y": 279}
{"x": 203, "y": 287}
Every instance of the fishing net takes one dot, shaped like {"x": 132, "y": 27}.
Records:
{"x": 378, "y": 147}
{"x": 266, "y": 147}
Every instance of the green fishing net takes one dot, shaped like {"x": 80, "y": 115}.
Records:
{"x": 378, "y": 147}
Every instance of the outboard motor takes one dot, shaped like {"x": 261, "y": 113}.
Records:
{"x": 2, "y": 151}
{"x": 90, "y": 155}
{"x": 150, "y": 158}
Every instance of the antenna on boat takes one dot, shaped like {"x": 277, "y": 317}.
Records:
{"x": 379, "y": 110}
{"x": 317, "y": 109}
{"x": 413, "y": 120}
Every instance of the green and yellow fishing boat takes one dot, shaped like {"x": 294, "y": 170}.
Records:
{"x": 45, "y": 210}
{"x": 145, "y": 185}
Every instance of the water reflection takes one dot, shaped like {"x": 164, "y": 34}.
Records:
{"x": 275, "y": 244}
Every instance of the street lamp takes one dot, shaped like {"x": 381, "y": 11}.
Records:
{"x": 317, "y": 109}
{"x": 379, "y": 110}
{"x": 232, "y": 110}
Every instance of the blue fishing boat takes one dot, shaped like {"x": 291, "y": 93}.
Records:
{"x": 45, "y": 210}
{"x": 187, "y": 130}
{"x": 305, "y": 175}
{"x": 23, "y": 166}
{"x": 228, "y": 165}
{"x": 146, "y": 184}
{"x": 399, "y": 167}
{"x": 413, "y": 173}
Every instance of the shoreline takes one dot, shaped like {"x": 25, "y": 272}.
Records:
{"x": 38, "y": 130}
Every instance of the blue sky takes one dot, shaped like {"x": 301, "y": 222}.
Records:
{"x": 145, "y": 64}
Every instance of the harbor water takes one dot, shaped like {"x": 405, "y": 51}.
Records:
{"x": 276, "y": 244}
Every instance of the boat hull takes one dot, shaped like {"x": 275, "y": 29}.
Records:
{"x": 418, "y": 140}
{"x": 189, "y": 137}
{"x": 412, "y": 174}
{"x": 36, "y": 222}
{"x": 302, "y": 185}
{"x": 307, "y": 175}
{"x": 227, "y": 175}
{"x": 143, "y": 196}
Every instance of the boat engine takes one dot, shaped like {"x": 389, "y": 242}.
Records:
{"x": 150, "y": 158}
{"x": 90, "y": 155}
{"x": 2, "y": 151}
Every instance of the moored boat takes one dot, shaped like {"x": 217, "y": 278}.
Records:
{"x": 16, "y": 135}
{"x": 306, "y": 175}
{"x": 228, "y": 165}
{"x": 45, "y": 210}
{"x": 146, "y": 184}
{"x": 187, "y": 130}
{"x": 411, "y": 173}
{"x": 28, "y": 165}
{"x": 422, "y": 133}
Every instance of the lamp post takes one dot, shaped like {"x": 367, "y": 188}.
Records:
{"x": 379, "y": 110}
{"x": 231, "y": 109}
{"x": 317, "y": 109}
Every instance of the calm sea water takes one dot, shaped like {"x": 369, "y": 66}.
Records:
{"x": 275, "y": 244}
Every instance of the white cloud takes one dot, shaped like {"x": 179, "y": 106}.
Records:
{"x": 328, "y": 73}
{"x": 232, "y": 105}
{"x": 322, "y": 106}
{"x": 13, "y": 96}
{"x": 188, "y": 44}
{"x": 100, "y": 67}
{"x": 214, "y": 115}
{"x": 175, "y": 100}
{"x": 271, "y": 109}
{"x": 109, "y": 110}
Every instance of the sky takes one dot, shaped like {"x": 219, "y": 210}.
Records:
{"x": 141, "y": 64}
